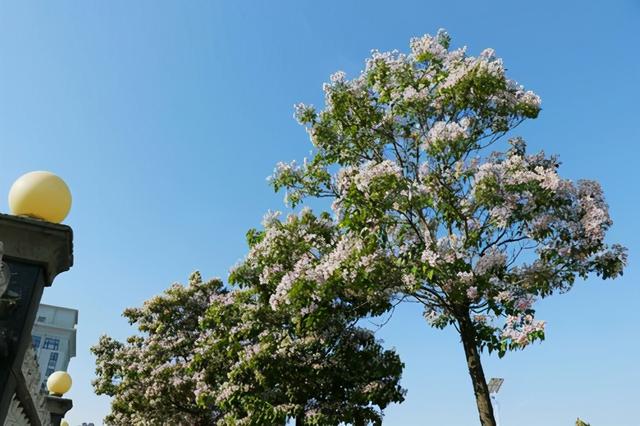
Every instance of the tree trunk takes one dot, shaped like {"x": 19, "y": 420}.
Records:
{"x": 300, "y": 420}
{"x": 480, "y": 388}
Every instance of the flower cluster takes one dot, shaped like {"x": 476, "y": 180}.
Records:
{"x": 595, "y": 215}
{"x": 446, "y": 249}
{"x": 430, "y": 48}
{"x": 517, "y": 170}
{"x": 443, "y": 131}
{"x": 492, "y": 260}
{"x": 371, "y": 171}
{"x": 462, "y": 67}
{"x": 521, "y": 330}
{"x": 303, "y": 113}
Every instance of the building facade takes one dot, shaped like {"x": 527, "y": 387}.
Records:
{"x": 54, "y": 339}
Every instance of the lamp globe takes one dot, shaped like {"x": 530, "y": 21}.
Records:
{"x": 59, "y": 383}
{"x": 41, "y": 195}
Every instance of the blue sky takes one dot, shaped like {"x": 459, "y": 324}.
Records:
{"x": 166, "y": 117}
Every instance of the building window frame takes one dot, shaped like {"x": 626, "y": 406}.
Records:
{"x": 52, "y": 343}
{"x": 53, "y": 360}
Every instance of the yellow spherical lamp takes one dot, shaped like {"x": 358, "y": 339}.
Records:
{"x": 59, "y": 383}
{"x": 63, "y": 422}
{"x": 41, "y": 195}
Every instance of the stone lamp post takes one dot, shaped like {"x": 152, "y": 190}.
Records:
{"x": 58, "y": 384}
{"x": 33, "y": 251}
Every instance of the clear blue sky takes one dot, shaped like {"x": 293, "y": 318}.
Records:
{"x": 166, "y": 117}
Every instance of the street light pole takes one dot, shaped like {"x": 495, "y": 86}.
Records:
{"x": 494, "y": 386}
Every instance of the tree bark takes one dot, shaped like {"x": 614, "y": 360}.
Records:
{"x": 480, "y": 388}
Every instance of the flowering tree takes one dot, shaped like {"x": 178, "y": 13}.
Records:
{"x": 424, "y": 211}
{"x": 301, "y": 357}
{"x": 150, "y": 377}
{"x": 206, "y": 355}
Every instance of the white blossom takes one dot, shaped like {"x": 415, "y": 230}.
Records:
{"x": 432, "y": 46}
{"x": 447, "y": 131}
{"x": 465, "y": 277}
{"x": 519, "y": 328}
{"x": 491, "y": 260}
{"x": 472, "y": 293}
{"x": 371, "y": 171}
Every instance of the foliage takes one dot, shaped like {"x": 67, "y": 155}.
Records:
{"x": 150, "y": 376}
{"x": 402, "y": 151}
{"x": 306, "y": 360}
{"x": 207, "y": 355}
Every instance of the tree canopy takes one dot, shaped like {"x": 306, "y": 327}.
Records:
{"x": 150, "y": 377}
{"x": 476, "y": 236}
{"x": 207, "y": 355}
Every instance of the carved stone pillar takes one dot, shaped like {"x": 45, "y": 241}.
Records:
{"x": 58, "y": 407}
{"x": 33, "y": 253}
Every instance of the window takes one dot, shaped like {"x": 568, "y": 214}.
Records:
{"x": 49, "y": 372}
{"x": 51, "y": 343}
{"x": 53, "y": 360}
{"x": 42, "y": 319}
{"x": 36, "y": 341}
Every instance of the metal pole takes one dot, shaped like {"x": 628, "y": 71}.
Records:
{"x": 496, "y": 408}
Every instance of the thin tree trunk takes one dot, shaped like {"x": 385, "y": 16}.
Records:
{"x": 480, "y": 388}
{"x": 300, "y": 420}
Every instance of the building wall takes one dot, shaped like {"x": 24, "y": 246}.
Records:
{"x": 17, "y": 415}
{"x": 54, "y": 339}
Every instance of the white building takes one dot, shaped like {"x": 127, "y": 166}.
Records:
{"x": 54, "y": 339}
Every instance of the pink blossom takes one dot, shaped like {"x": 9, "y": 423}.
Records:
{"x": 472, "y": 293}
